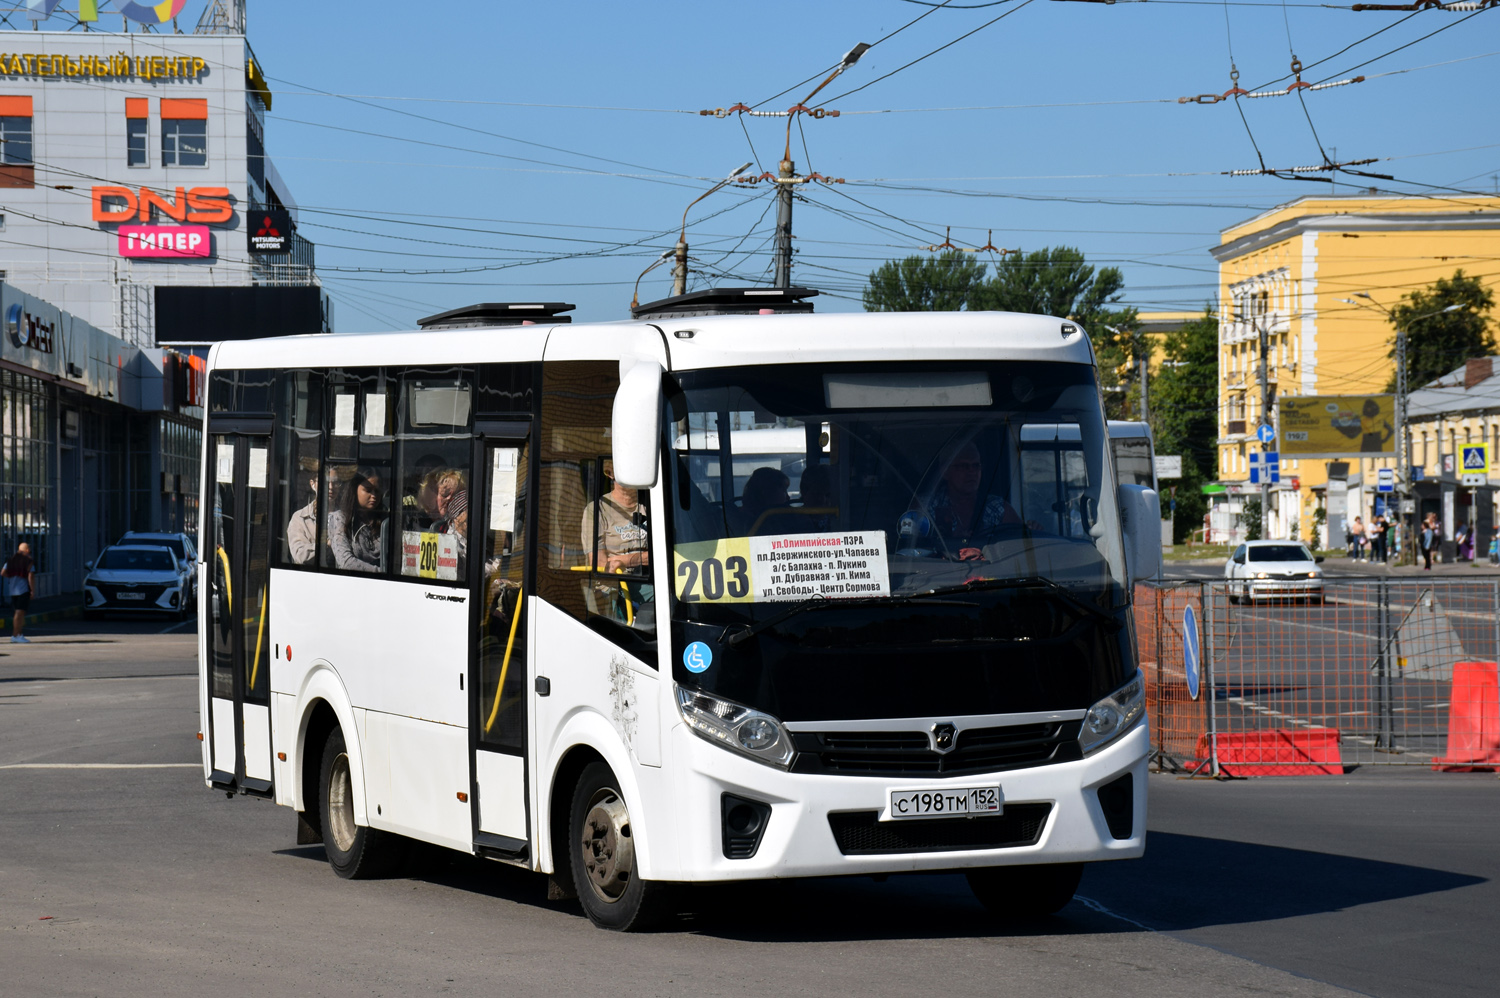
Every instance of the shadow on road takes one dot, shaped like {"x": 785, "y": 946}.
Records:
{"x": 1189, "y": 882}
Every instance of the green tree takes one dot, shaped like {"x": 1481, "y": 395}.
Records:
{"x": 1184, "y": 415}
{"x": 1439, "y": 341}
{"x": 1119, "y": 344}
{"x": 923, "y": 283}
{"x": 1250, "y": 519}
{"x": 1053, "y": 280}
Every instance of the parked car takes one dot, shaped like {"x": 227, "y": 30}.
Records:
{"x": 137, "y": 578}
{"x": 183, "y": 546}
{"x": 1273, "y": 570}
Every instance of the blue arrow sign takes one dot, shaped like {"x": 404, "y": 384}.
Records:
{"x": 1190, "y": 649}
{"x": 1265, "y": 433}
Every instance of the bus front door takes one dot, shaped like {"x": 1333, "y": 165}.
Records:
{"x": 238, "y": 553}
{"x": 500, "y": 674}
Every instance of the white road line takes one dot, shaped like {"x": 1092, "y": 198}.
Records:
{"x": 1315, "y": 627}
{"x": 1096, "y": 906}
{"x": 104, "y": 765}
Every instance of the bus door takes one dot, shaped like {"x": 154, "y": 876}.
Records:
{"x": 500, "y": 680}
{"x": 239, "y": 640}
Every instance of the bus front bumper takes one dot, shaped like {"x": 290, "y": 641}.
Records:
{"x": 820, "y": 825}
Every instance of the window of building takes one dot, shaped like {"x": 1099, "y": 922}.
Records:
{"x": 184, "y": 132}
{"x": 16, "y": 169}
{"x": 137, "y": 128}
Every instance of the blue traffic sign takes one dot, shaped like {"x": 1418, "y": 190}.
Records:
{"x": 1190, "y": 649}
{"x": 1385, "y": 480}
{"x": 1265, "y": 433}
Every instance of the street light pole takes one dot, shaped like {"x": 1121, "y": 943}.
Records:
{"x": 1263, "y": 328}
{"x": 680, "y": 252}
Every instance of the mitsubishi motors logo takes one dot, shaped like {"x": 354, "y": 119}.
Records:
{"x": 270, "y": 230}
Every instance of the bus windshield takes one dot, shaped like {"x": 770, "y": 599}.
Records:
{"x": 870, "y": 481}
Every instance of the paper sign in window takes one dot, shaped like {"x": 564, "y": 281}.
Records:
{"x": 428, "y": 555}
{"x": 783, "y": 568}
{"x": 224, "y": 466}
{"x": 503, "y": 488}
{"x": 374, "y": 414}
{"x": 343, "y": 415}
{"x": 257, "y": 467}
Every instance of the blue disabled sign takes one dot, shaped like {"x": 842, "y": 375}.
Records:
{"x": 1265, "y": 433}
{"x": 1190, "y": 649}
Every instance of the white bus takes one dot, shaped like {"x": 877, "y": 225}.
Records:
{"x": 506, "y": 591}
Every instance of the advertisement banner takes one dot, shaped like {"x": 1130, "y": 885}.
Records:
{"x": 1337, "y": 425}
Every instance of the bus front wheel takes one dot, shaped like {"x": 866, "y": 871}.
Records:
{"x": 356, "y": 852}
{"x": 602, "y": 843}
{"x": 1021, "y": 892}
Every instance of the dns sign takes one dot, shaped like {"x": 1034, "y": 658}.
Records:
{"x": 27, "y": 331}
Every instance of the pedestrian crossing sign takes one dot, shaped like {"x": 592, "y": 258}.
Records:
{"x": 1476, "y": 459}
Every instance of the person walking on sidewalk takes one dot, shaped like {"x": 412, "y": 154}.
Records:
{"x": 1429, "y": 538}
{"x": 19, "y": 579}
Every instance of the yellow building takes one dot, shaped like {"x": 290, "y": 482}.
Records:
{"x": 1302, "y": 272}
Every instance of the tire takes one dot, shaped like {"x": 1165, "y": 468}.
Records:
{"x": 602, "y": 854}
{"x": 356, "y": 852}
{"x": 1017, "y": 893}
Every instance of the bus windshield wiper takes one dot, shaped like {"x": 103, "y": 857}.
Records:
{"x": 1025, "y": 582}
{"x": 820, "y": 600}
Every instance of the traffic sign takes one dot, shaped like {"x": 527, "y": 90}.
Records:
{"x": 1254, "y": 468}
{"x": 1265, "y": 433}
{"x": 1385, "y": 480}
{"x": 1273, "y": 465}
{"x": 1475, "y": 464}
{"x": 1190, "y": 649}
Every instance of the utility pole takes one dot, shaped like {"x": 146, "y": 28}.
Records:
{"x": 1263, "y": 327}
{"x": 785, "y": 179}
{"x": 1145, "y": 363}
{"x": 679, "y": 267}
{"x": 1403, "y": 446}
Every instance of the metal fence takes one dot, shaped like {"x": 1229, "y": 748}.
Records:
{"x": 1378, "y": 672}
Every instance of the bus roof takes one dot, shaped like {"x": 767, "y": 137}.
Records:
{"x": 694, "y": 343}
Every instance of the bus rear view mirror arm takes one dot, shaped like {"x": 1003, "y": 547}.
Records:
{"x": 636, "y": 430}
{"x": 1140, "y": 523}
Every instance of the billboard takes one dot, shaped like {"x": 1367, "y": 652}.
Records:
{"x": 211, "y": 314}
{"x": 1337, "y": 425}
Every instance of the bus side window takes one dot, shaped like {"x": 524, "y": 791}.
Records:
{"x": 299, "y": 440}
{"x": 357, "y": 472}
{"x": 602, "y": 582}
{"x": 431, "y": 491}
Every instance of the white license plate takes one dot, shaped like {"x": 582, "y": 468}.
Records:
{"x": 947, "y": 802}
{"x": 130, "y": 595}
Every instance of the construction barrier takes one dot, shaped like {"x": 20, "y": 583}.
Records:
{"x": 1376, "y": 672}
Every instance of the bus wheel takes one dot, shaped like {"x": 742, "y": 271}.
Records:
{"x": 603, "y": 860}
{"x": 1021, "y": 892}
{"x": 355, "y": 852}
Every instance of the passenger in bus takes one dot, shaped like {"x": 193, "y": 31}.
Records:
{"x": 622, "y": 528}
{"x": 765, "y": 490}
{"x": 356, "y": 527}
{"x": 452, "y": 497}
{"x": 302, "y": 528}
{"x": 419, "y": 504}
{"x": 963, "y": 519}
{"x": 819, "y": 498}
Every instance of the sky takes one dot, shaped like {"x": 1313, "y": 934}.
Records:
{"x": 445, "y": 154}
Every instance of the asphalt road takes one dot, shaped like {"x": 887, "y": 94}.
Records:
{"x": 137, "y": 880}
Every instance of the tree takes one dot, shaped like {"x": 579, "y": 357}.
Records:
{"x": 1184, "y": 414}
{"x": 1119, "y": 345}
{"x": 1438, "y": 341}
{"x": 1250, "y": 519}
{"x": 923, "y": 283}
{"x": 1053, "y": 280}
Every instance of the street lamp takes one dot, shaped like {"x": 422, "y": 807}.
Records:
{"x": 1403, "y": 436}
{"x": 679, "y": 272}
{"x": 635, "y": 299}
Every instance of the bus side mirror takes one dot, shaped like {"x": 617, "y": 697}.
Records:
{"x": 636, "y": 429}
{"x": 1140, "y": 523}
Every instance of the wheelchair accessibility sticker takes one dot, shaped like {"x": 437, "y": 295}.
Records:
{"x": 697, "y": 657}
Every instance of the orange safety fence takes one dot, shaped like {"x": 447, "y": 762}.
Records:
{"x": 1177, "y": 709}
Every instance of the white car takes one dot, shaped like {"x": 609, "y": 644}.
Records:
{"x": 1273, "y": 570}
{"x": 136, "y": 579}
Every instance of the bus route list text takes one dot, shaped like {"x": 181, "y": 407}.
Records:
{"x": 830, "y": 565}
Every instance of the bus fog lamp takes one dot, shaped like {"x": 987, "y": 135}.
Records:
{"x": 736, "y": 727}
{"x": 1113, "y": 716}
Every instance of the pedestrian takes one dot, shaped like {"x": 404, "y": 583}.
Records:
{"x": 1356, "y": 538}
{"x": 1429, "y": 538}
{"x": 19, "y": 580}
{"x": 1464, "y": 538}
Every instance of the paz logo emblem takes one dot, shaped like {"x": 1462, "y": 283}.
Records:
{"x": 943, "y": 737}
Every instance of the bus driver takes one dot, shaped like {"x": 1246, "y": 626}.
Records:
{"x": 958, "y": 515}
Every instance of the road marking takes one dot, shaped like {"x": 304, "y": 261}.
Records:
{"x": 178, "y": 625}
{"x": 1096, "y": 906}
{"x": 1311, "y": 627}
{"x": 104, "y": 765}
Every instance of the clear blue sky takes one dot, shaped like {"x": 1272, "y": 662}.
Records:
{"x": 1095, "y": 176}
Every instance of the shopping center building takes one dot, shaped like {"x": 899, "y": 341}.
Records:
{"x": 141, "y": 221}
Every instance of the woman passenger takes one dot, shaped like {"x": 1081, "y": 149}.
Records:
{"x": 356, "y": 528}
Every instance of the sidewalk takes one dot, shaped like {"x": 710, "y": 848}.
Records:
{"x": 43, "y": 609}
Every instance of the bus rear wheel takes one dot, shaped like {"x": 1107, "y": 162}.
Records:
{"x": 356, "y": 852}
{"x": 602, "y": 843}
{"x": 1022, "y": 892}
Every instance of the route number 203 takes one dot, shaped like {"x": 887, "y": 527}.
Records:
{"x": 712, "y": 579}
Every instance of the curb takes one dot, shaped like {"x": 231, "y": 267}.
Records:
{"x": 40, "y": 618}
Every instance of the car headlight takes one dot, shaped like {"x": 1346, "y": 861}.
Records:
{"x": 1114, "y": 715}
{"x": 736, "y": 727}
{"x": 1262, "y": 575}
{"x": 1314, "y": 575}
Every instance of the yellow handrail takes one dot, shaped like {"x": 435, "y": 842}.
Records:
{"x": 228, "y": 586}
{"x": 260, "y": 634}
{"x": 629, "y": 613}
{"x": 510, "y": 644}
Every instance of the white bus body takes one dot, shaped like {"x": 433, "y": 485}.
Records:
{"x": 660, "y": 712}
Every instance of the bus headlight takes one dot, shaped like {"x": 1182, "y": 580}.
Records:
{"x": 736, "y": 727}
{"x": 1113, "y": 716}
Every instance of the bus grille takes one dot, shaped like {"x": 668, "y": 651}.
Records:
{"x": 860, "y": 833}
{"x": 909, "y": 753}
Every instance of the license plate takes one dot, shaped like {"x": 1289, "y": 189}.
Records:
{"x": 948, "y": 802}
{"x": 130, "y": 596}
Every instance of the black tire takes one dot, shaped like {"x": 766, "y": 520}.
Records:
{"x": 602, "y": 854}
{"x": 356, "y": 852}
{"x": 1017, "y": 893}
